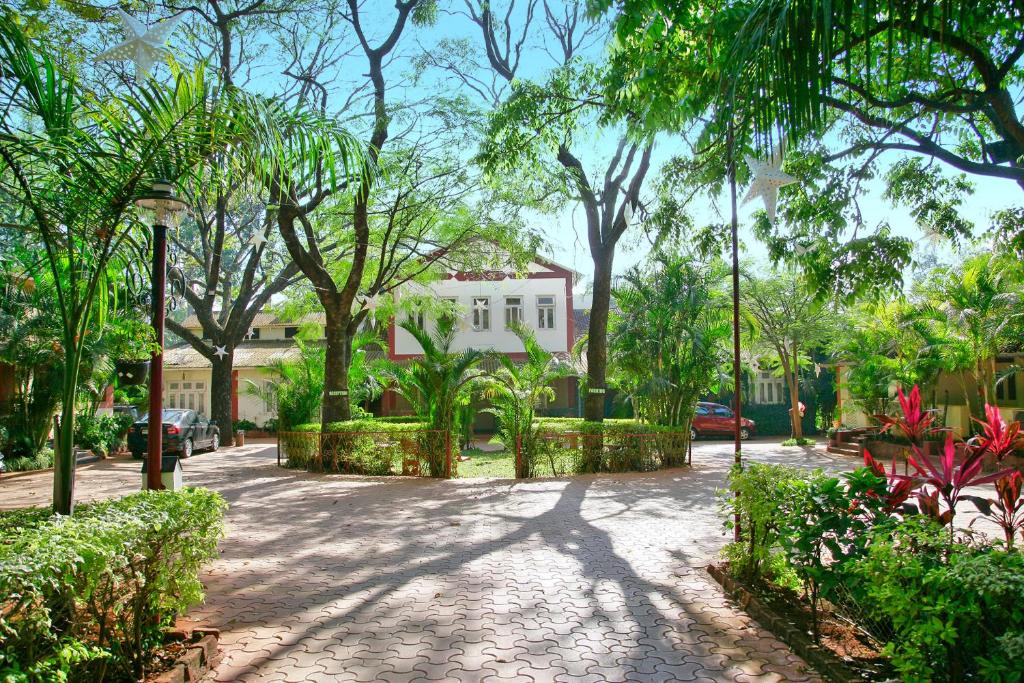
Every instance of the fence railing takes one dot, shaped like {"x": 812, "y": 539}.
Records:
{"x": 419, "y": 453}
{"x": 559, "y": 454}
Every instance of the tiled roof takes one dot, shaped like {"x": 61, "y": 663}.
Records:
{"x": 581, "y": 320}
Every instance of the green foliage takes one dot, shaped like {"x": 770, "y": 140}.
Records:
{"x": 802, "y": 441}
{"x": 369, "y": 446}
{"x": 438, "y": 384}
{"x": 955, "y": 613}
{"x": 767, "y": 495}
{"x": 104, "y": 433}
{"x": 244, "y": 425}
{"x": 668, "y": 339}
{"x": 515, "y": 392}
{"x": 297, "y": 391}
{"x": 86, "y": 598}
{"x": 576, "y": 446}
{"x": 42, "y": 460}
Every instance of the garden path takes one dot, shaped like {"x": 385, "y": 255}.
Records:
{"x": 592, "y": 578}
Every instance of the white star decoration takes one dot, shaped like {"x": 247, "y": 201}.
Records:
{"x": 249, "y": 334}
{"x": 766, "y": 179}
{"x": 143, "y": 45}
{"x": 258, "y": 239}
{"x": 220, "y": 352}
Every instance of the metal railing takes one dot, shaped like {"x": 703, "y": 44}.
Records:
{"x": 418, "y": 453}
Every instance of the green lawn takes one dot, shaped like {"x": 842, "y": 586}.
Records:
{"x": 482, "y": 464}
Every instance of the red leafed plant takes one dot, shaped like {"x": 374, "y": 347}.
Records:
{"x": 1007, "y": 510}
{"x": 948, "y": 478}
{"x": 898, "y": 487}
{"x": 997, "y": 436}
{"x": 915, "y": 422}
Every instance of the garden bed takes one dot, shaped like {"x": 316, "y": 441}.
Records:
{"x": 843, "y": 653}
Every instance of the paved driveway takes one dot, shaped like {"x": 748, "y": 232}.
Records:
{"x": 593, "y": 578}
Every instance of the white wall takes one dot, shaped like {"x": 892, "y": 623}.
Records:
{"x": 252, "y": 407}
{"x": 497, "y": 337}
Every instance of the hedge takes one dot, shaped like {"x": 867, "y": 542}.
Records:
{"x": 85, "y": 598}
{"x": 572, "y": 445}
{"x": 373, "y": 447}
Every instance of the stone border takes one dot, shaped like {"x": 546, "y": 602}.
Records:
{"x": 201, "y": 657}
{"x": 824, "y": 661}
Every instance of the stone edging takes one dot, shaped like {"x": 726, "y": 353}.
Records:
{"x": 824, "y": 661}
{"x": 199, "y": 658}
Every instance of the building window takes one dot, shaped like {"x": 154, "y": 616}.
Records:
{"x": 546, "y": 312}
{"x": 1007, "y": 389}
{"x": 269, "y": 397}
{"x": 513, "y": 310}
{"x": 481, "y": 313}
{"x": 771, "y": 391}
{"x": 290, "y": 332}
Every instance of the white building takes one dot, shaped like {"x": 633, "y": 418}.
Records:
{"x": 541, "y": 297}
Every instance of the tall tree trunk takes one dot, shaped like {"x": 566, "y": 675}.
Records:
{"x": 64, "y": 453}
{"x": 597, "y": 337}
{"x": 221, "y": 384}
{"x": 794, "y": 395}
{"x": 335, "y": 405}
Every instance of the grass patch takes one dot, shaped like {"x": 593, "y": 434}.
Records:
{"x": 802, "y": 441}
{"x": 487, "y": 464}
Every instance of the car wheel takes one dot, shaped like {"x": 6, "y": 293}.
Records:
{"x": 214, "y": 443}
{"x": 693, "y": 434}
{"x": 186, "y": 448}
{"x": 744, "y": 433}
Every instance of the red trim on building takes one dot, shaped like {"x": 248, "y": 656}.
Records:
{"x": 234, "y": 395}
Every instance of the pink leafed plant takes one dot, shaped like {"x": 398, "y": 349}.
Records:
{"x": 915, "y": 422}
{"x": 997, "y": 436}
{"x": 898, "y": 487}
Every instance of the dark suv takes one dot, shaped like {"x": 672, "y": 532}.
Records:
{"x": 714, "y": 418}
{"x": 185, "y": 431}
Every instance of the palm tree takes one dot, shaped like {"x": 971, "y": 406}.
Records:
{"x": 968, "y": 314}
{"x": 515, "y": 391}
{"x": 667, "y": 341}
{"x": 437, "y": 384}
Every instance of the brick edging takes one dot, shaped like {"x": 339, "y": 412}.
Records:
{"x": 199, "y": 658}
{"x": 824, "y": 661}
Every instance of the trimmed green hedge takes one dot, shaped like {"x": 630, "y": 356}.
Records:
{"x": 373, "y": 447}
{"x": 566, "y": 445}
{"x": 85, "y": 598}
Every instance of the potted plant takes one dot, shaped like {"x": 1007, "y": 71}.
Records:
{"x": 131, "y": 343}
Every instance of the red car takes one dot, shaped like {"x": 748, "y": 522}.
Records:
{"x": 714, "y": 418}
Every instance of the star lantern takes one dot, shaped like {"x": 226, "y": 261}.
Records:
{"x": 766, "y": 179}
{"x": 221, "y": 352}
{"x": 143, "y": 45}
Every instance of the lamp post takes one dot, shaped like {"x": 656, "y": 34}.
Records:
{"x": 161, "y": 202}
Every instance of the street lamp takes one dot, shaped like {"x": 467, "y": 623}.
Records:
{"x": 161, "y": 206}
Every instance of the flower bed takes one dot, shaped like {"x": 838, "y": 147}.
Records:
{"x": 881, "y": 551}
{"x": 86, "y": 598}
{"x": 574, "y": 446}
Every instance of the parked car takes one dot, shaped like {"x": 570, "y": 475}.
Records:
{"x": 714, "y": 418}
{"x": 185, "y": 432}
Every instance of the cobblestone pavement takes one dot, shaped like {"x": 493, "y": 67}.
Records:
{"x": 593, "y": 578}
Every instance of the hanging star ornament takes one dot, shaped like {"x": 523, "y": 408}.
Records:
{"x": 258, "y": 239}
{"x": 766, "y": 179}
{"x": 221, "y": 352}
{"x": 144, "y": 45}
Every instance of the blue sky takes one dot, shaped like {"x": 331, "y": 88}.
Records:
{"x": 565, "y": 231}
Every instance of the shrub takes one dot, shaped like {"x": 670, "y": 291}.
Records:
{"x": 371, "y": 447}
{"x": 244, "y": 426}
{"x": 578, "y": 446}
{"x": 86, "y": 597}
{"x": 270, "y": 425}
{"x": 802, "y": 441}
{"x": 767, "y": 495}
{"x": 40, "y": 461}
{"x": 104, "y": 433}
{"x": 955, "y": 612}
